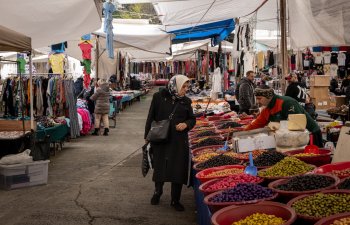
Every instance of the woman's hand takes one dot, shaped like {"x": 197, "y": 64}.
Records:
{"x": 181, "y": 126}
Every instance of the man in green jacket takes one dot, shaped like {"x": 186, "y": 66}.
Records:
{"x": 278, "y": 108}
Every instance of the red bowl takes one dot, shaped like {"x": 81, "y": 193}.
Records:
{"x": 195, "y": 140}
{"x": 330, "y": 220}
{"x": 314, "y": 219}
{"x": 228, "y": 215}
{"x": 318, "y": 160}
{"x": 341, "y": 181}
{"x": 285, "y": 177}
{"x": 288, "y": 195}
{"x": 199, "y": 150}
{"x": 203, "y": 187}
{"x": 329, "y": 168}
{"x": 194, "y": 135}
{"x": 216, "y": 118}
{"x": 201, "y": 176}
{"x": 215, "y": 206}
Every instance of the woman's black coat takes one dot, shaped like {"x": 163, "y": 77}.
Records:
{"x": 171, "y": 160}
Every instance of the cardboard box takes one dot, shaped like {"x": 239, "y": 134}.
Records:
{"x": 320, "y": 80}
{"x": 319, "y": 92}
{"x": 340, "y": 100}
{"x": 247, "y": 141}
{"x": 322, "y": 103}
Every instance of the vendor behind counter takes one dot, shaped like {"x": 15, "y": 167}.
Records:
{"x": 278, "y": 108}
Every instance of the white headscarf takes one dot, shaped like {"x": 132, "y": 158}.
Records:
{"x": 175, "y": 84}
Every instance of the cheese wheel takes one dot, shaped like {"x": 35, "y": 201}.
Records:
{"x": 296, "y": 122}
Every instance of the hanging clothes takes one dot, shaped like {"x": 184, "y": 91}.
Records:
{"x": 108, "y": 10}
{"x": 86, "y": 50}
{"x": 71, "y": 104}
{"x": 57, "y": 63}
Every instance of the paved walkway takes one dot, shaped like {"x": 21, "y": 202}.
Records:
{"x": 98, "y": 181}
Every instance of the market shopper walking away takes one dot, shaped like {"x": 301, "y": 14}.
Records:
{"x": 101, "y": 97}
{"x": 171, "y": 161}
{"x": 246, "y": 93}
{"x": 278, "y": 108}
{"x": 295, "y": 89}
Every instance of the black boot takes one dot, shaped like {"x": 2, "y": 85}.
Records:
{"x": 105, "y": 133}
{"x": 96, "y": 132}
{"x": 175, "y": 197}
{"x": 177, "y": 206}
{"x": 157, "y": 193}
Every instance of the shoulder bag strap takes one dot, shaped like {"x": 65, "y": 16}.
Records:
{"x": 172, "y": 113}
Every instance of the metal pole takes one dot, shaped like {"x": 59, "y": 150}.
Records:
{"x": 97, "y": 54}
{"x": 283, "y": 24}
{"x": 31, "y": 92}
{"x": 207, "y": 70}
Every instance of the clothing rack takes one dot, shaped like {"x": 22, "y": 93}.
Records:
{"x": 20, "y": 75}
{"x": 65, "y": 75}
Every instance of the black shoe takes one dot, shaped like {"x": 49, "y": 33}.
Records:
{"x": 105, "y": 133}
{"x": 177, "y": 206}
{"x": 155, "y": 199}
{"x": 96, "y": 132}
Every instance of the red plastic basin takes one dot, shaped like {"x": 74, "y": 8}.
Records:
{"x": 278, "y": 178}
{"x": 329, "y": 220}
{"x": 329, "y": 168}
{"x": 228, "y": 215}
{"x": 341, "y": 181}
{"x": 203, "y": 187}
{"x": 201, "y": 176}
{"x": 288, "y": 195}
{"x": 215, "y": 206}
{"x": 318, "y": 160}
{"x": 314, "y": 219}
{"x": 201, "y": 149}
{"x": 196, "y": 140}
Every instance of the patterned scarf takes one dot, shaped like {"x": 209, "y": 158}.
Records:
{"x": 175, "y": 84}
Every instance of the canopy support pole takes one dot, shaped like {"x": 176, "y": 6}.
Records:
{"x": 207, "y": 70}
{"x": 284, "y": 54}
{"x": 97, "y": 54}
{"x": 31, "y": 91}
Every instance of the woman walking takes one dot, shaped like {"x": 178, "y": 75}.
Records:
{"x": 171, "y": 159}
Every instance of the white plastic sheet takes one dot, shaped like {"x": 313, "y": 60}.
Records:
{"x": 319, "y": 22}
{"x": 49, "y": 22}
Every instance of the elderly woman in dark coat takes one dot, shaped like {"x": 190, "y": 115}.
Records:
{"x": 101, "y": 96}
{"x": 171, "y": 159}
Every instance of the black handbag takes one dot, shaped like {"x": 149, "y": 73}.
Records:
{"x": 159, "y": 131}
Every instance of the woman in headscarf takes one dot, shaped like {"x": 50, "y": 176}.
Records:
{"x": 171, "y": 159}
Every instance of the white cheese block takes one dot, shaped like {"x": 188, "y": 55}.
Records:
{"x": 296, "y": 122}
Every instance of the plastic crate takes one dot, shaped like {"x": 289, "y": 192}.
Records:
{"x": 23, "y": 175}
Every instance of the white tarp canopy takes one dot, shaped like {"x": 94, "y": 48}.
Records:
{"x": 319, "y": 22}
{"x": 13, "y": 41}
{"x": 151, "y": 38}
{"x": 178, "y": 14}
{"x": 49, "y": 22}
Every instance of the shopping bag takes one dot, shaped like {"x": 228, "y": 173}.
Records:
{"x": 41, "y": 149}
{"x": 146, "y": 164}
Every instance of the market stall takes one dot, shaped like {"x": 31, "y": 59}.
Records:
{"x": 218, "y": 180}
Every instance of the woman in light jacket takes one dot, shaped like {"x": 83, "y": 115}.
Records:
{"x": 101, "y": 97}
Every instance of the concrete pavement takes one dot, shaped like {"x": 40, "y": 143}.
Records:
{"x": 98, "y": 181}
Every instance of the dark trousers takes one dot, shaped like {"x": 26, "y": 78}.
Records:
{"x": 175, "y": 190}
